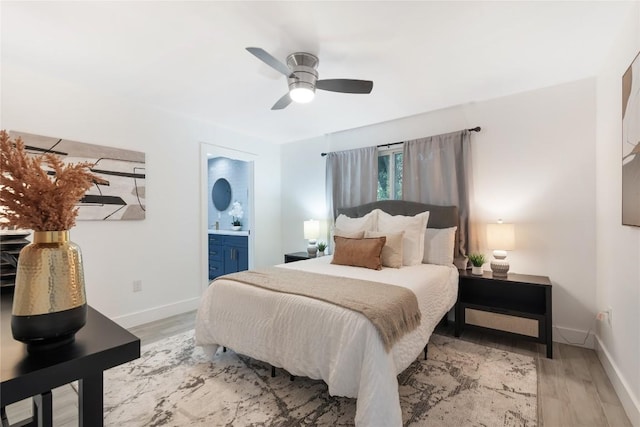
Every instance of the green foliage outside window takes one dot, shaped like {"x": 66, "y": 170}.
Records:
{"x": 390, "y": 176}
{"x": 397, "y": 181}
{"x": 383, "y": 177}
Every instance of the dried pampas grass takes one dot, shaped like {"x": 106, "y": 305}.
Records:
{"x": 36, "y": 198}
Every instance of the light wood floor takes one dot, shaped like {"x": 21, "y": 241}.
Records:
{"x": 573, "y": 389}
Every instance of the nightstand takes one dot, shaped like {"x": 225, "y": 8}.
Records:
{"x": 296, "y": 256}
{"x": 518, "y": 305}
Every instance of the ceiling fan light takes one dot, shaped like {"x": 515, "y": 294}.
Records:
{"x": 301, "y": 95}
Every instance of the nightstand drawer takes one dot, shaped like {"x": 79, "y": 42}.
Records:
{"x": 503, "y": 322}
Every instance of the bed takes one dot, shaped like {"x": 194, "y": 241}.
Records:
{"x": 313, "y": 338}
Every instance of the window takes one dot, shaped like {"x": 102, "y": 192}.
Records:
{"x": 390, "y": 175}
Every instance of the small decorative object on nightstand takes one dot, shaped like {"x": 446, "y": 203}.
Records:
{"x": 500, "y": 238}
{"x": 322, "y": 246}
{"x": 477, "y": 261}
{"x": 311, "y": 233}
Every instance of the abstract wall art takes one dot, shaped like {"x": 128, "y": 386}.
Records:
{"x": 123, "y": 195}
{"x": 631, "y": 144}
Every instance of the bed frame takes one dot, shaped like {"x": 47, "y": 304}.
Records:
{"x": 439, "y": 217}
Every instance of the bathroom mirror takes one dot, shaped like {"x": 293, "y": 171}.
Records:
{"x": 221, "y": 194}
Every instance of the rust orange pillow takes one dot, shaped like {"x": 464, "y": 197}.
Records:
{"x": 365, "y": 253}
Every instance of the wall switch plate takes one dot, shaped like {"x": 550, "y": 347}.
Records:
{"x": 137, "y": 286}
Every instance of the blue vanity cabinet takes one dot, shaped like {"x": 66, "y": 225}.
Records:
{"x": 227, "y": 254}
{"x": 236, "y": 254}
{"x": 216, "y": 252}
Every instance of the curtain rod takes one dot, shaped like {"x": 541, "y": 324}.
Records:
{"x": 475, "y": 129}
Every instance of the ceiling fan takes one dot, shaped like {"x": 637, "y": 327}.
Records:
{"x": 303, "y": 78}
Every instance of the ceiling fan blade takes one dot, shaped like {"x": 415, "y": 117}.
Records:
{"x": 345, "y": 85}
{"x": 266, "y": 57}
{"x": 282, "y": 102}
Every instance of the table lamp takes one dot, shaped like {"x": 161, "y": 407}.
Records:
{"x": 311, "y": 233}
{"x": 500, "y": 238}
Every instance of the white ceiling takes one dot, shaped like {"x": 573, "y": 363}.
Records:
{"x": 190, "y": 57}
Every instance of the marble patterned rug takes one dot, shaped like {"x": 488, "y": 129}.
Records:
{"x": 174, "y": 384}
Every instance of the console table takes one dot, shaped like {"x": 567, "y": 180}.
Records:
{"x": 100, "y": 345}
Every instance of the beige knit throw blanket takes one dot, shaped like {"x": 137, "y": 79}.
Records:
{"x": 393, "y": 310}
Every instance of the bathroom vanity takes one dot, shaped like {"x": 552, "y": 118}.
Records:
{"x": 228, "y": 252}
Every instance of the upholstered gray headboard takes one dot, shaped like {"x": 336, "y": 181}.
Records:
{"x": 439, "y": 216}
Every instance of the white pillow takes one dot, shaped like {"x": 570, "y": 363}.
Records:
{"x": 392, "y": 249}
{"x": 414, "y": 228}
{"x": 438, "y": 245}
{"x": 348, "y": 234}
{"x": 365, "y": 223}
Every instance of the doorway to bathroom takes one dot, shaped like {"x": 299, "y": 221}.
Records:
{"x": 227, "y": 206}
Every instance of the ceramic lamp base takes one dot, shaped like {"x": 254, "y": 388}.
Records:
{"x": 312, "y": 249}
{"x": 500, "y": 267}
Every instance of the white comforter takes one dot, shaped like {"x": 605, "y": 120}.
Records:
{"x": 312, "y": 338}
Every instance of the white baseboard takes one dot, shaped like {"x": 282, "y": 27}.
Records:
{"x": 630, "y": 402}
{"x": 575, "y": 337}
{"x": 156, "y": 313}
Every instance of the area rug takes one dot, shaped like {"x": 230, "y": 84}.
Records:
{"x": 175, "y": 384}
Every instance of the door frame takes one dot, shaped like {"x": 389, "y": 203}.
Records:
{"x": 208, "y": 150}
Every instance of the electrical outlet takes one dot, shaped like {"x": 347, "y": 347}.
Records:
{"x": 605, "y": 315}
{"x": 137, "y": 286}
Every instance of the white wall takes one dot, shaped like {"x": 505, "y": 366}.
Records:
{"x": 533, "y": 165}
{"x": 164, "y": 249}
{"x": 618, "y": 254}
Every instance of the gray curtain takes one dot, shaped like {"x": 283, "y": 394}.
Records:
{"x": 436, "y": 170}
{"x": 352, "y": 178}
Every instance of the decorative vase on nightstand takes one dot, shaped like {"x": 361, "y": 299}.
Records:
{"x": 476, "y": 270}
{"x": 236, "y": 227}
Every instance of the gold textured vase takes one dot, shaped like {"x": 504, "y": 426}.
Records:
{"x": 49, "y": 302}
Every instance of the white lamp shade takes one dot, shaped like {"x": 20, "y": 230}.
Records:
{"x": 311, "y": 229}
{"x": 501, "y": 236}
